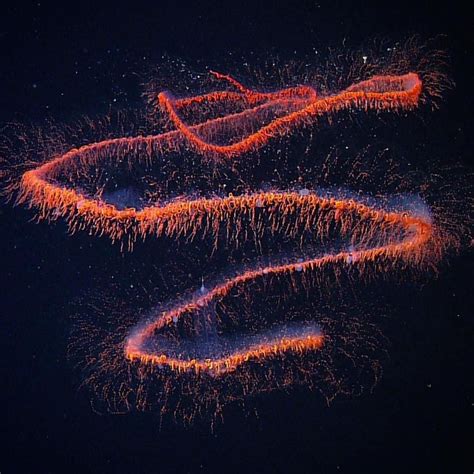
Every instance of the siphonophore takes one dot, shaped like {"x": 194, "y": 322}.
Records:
{"x": 229, "y": 340}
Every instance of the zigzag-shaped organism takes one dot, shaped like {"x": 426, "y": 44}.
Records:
{"x": 378, "y": 238}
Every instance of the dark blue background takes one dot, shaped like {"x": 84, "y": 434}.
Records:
{"x": 70, "y": 57}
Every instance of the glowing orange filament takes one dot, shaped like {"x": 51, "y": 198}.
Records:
{"x": 405, "y": 237}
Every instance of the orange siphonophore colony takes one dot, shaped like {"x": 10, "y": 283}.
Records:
{"x": 237, "y": 337}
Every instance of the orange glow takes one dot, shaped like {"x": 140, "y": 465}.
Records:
{"x": 402, "y": 238}
{"x": 378, "y": 93}
{"x": 221, "y": 365}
